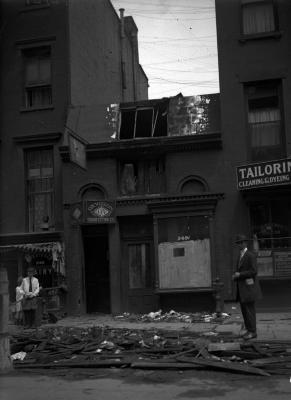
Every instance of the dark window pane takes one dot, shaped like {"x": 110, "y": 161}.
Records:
{"x": 127, "y": 124}
{"x": 144, "y": 123}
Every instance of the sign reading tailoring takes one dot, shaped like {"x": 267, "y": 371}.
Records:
{"x": 263, "y": 174}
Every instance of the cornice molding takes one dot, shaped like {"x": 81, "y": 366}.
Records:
{"x": 165, "y": 201}
{"x": 30, "y": 237}
{"x": 38, "y": 138}
{"x": 159, "y": 145}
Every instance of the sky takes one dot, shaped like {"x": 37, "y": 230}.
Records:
{"x": 177, "y": 45}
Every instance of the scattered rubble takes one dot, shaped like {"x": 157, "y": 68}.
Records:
{"x": 172, "y": 316}
{"x": 103, "y": 347}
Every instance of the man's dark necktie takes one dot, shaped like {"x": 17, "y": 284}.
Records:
{"x": 30, "y": 284}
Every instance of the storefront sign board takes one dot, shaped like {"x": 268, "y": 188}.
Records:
{"x": 271, "y": 173}
{"x": 282, "y": 261}
{"x": 100, "y": 212}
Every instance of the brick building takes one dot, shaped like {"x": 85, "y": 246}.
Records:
{"x": 163, "y": 197}
{"x": 140, "y": 220}
{"x": 58, "y": 60}
{"x": 254, "y": 53}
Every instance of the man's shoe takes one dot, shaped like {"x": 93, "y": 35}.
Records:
{"x": 250, "y": 335}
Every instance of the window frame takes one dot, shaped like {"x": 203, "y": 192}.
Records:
{"x": 135, "y": 111}
{"x": 37, "y": 85}
{"x": 282, "y": 147}
{"x": 143, "y": 177}
{"x": 259, "y": 35}
{"x": 30, "y": 225}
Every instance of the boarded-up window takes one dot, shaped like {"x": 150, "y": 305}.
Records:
{"x": 139, "y": 266}
{"x": 184, "y": 253}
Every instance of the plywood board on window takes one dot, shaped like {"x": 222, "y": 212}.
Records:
{"x": 184, "y": 264}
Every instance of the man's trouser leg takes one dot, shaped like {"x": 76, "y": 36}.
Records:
{"x": 249, "y": 314}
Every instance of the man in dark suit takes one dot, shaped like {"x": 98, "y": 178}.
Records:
{"x": 248, "y": 288}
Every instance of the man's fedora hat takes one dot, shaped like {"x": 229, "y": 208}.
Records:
{"x": 240, "y": 238}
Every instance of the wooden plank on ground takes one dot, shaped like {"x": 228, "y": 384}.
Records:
{"x": 70, "y": 364}
{"x": 224, "y": 346}
{"x": 163, "y": 365}
{"x": 227, "y": 366}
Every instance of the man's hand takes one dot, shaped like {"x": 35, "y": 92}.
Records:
{"x": 235, "y": 276}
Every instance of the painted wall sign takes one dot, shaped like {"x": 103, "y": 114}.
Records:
{"x": 100, "y": 212}
{"x": 263, "y": 174}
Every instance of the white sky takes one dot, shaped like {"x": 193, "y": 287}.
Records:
{"x": 177, "y": 44}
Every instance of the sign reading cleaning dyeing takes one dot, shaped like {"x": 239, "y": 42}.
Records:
{"x": 263, "y": 174}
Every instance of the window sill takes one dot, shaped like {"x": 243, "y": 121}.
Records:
{"x": 24, "y": 109}
{"x": 260, "y": 36}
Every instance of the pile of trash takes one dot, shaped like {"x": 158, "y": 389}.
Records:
{"x": 103, "y": 347}
{"x": 173, "y": 316}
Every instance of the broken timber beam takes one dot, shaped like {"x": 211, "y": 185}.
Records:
{"x": 224, "y": 365}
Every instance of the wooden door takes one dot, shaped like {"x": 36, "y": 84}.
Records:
{"x": 139, "y": 276}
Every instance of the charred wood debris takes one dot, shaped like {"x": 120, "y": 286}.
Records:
{"x": 148, "y": 348}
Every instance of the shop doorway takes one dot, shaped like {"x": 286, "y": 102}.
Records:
{"x": 97, "y": 276}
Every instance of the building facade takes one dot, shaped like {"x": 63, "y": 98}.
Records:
{"x": 160, "y": 203}
{"x": 58, "y": 59}
{"x": 254, "y": 40}
{"x": 140, "y": 220}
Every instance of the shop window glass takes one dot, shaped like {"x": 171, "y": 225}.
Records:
{"x": 37, "y": 77}
{"x": 139, "y": 266}
{"x": 264, "y": 119}
{"x": 271, "y": 223}
{"x": 258, "y": 17}
{"x": 40, "y": 189}
{"x": 271, "y": 226}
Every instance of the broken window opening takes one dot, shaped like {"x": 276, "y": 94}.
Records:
{"x": 144, "y": 122}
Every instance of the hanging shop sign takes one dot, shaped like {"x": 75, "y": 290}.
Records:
{"x": 77, "y": 150}
{"x": 100, "y": 211}
{"x": 271, "y": 173}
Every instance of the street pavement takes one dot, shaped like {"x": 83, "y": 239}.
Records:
{"x": 128, "y": 384}
{"x": 270, "y": 325}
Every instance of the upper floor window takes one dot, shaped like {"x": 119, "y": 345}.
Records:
{"x": 264, "y": 120}
{"x": 37, "y": 77}
{"x": 258, "y": 16}
{"x": 40, "y": 189}
{"x": 143, "y": 177}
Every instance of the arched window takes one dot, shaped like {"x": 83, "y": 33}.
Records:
{"x": 192, "y": 186}
{"x": 93, "y": 193}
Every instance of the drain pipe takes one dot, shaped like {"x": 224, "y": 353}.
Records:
{"x": 122, "y": 40}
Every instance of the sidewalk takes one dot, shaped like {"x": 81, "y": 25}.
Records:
{"x": 270, "y": 326}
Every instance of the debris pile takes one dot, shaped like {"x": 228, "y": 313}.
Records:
{"x": 100, "y": 347}
{"x": 172, "y": 316}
